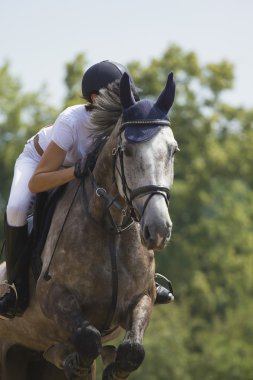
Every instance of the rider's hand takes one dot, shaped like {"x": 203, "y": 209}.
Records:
{"x": 81, "y": 168}
{"x": 85, "y": 164}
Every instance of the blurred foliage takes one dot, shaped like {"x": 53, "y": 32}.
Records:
{"x": 73, "y": 80}
{"x": 21, "y": 115}
{"x": 209, "y": 259}
{"x": 208, "y": 331}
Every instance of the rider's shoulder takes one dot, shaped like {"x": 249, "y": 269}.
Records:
{"x": 78, "y": 109}
{"x": 74, "y": 114}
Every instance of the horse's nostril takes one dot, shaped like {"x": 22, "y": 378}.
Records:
{"x": 169, "y": 228}
{"x": 169, "y": 225}
{"x": 146, "y": 233}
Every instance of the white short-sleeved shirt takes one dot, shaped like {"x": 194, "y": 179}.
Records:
{"x": 71, "y": 132}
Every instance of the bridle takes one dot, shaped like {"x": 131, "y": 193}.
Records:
{"x": 130, "y": 213}
{"x": 132, "y": 194}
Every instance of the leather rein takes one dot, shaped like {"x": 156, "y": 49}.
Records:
{"x": 129, "y": 213}
{"x": 130, "y": 195}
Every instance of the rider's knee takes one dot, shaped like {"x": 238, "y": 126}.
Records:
{"x": 16, "y": 215}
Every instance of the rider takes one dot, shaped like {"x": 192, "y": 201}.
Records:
{"x": 61, "y": 145}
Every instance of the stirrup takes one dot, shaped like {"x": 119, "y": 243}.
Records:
{"x": 168, "y": 285}
{"x": 10, "y": 290}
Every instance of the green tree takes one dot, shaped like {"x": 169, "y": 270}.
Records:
{"x": 73, "y": 79}
{"x": 209, "y": 259}
{"x": 21, "y": 116}
{"x": 208, "y": 331}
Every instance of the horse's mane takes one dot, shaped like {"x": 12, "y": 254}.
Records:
{"x": 106, "y": 111}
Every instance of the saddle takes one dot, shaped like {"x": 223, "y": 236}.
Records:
{"x": 44, "y": 208}
{"x": 39, "y": 223}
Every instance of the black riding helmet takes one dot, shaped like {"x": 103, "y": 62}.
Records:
{"x": 100, "y": 76}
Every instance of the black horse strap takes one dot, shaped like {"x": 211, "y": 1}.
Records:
{"x": 113, "y": 246}
{"x": 47, "y": 275}
{"x": 108, "y": 201}
{"x": 149, "y": 189}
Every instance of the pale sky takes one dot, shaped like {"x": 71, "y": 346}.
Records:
{"x": 39, "y": 37}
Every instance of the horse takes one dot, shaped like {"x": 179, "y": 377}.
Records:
{"x": 98, "y": 262}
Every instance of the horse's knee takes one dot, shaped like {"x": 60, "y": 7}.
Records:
{"x": 87, "y": 341}
{"x": 129, "y": 357}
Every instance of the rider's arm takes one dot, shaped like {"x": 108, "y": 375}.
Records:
{"x": 47, "y": 174}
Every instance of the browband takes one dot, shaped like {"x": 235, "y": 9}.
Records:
{"x": 147, "y": 122}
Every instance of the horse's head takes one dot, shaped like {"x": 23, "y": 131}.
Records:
{"x": 145, "y": 161}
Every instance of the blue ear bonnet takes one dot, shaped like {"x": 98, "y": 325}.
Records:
{"x": 143, "y": 119}
{"x": 144, "y": 110}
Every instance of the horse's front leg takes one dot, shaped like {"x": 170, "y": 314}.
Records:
{"x": 83, "y": 341}
{"x": 130, "y": 353}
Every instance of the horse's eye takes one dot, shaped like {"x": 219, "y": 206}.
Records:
{"x": 128, "y": 150}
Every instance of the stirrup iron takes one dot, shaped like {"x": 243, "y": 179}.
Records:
{"x": 168, "y": 285}
{"x": 10, "y": 289}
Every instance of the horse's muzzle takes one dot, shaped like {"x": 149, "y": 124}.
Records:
{"x": 156, "y": 238}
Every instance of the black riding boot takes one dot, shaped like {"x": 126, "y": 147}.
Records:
{"x": 16, "y": 300}
{"x": 163, "y": 294}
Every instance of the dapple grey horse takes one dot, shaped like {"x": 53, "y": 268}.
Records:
{"x": 98, "y": 268}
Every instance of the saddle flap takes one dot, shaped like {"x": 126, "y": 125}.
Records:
{"x": 44, "y": 208}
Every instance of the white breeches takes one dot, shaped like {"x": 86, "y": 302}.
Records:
{"x": 21, "y": 197}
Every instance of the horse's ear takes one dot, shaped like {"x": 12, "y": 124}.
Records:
{"x": 166, "y": 98}
{"x": 126, "y": 95}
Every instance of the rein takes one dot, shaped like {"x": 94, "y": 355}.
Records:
{"x": 108, "y": 201}
{"x": 47, "y": 276}
{"x": 129, "y": 212}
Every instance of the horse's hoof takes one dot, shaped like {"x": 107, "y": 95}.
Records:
{"x": 129, "y": 357}
{"x": 87, "y": 341}
{"x": 74, "y": 368}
